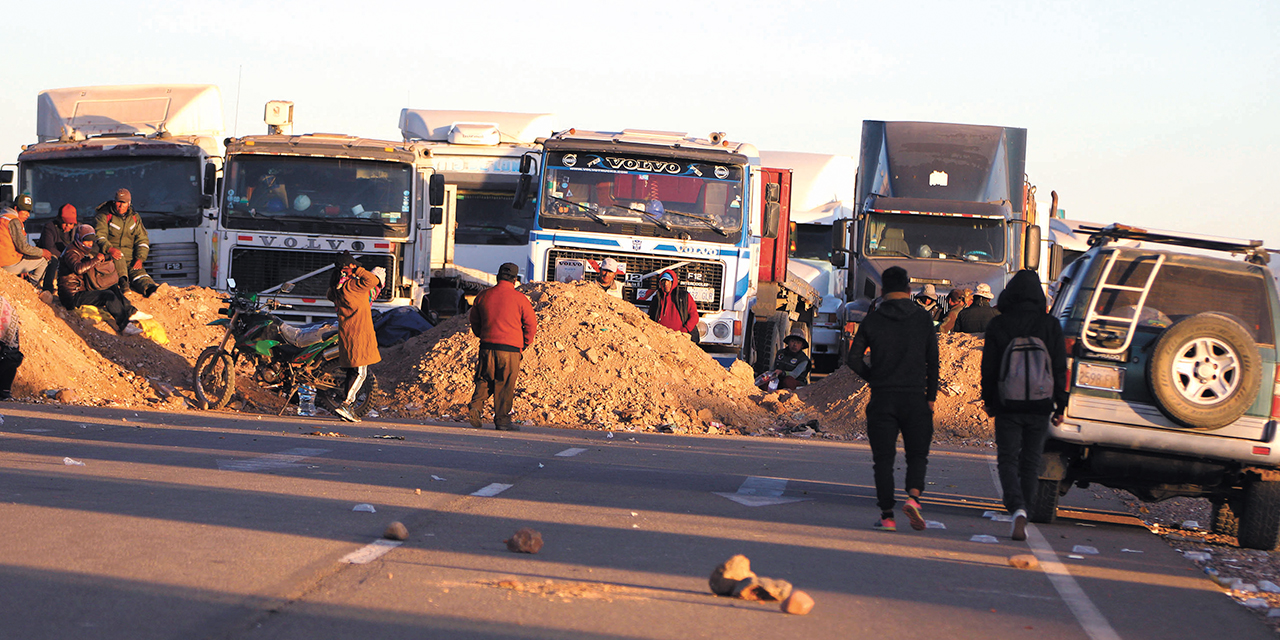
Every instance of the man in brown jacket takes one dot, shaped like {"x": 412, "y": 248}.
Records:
{"x": 504, "y": 321}
{"x": 87, "y": 277}
{"x": 352, "y": 290}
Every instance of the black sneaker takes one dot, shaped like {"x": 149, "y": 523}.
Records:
{"x": 345, "y": 412}
{"x": 150, "y": 290}
{"x": 506, "y": 427}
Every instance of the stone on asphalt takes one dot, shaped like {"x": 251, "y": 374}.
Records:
{"x": 525, "y": 540}
{"x": 726, "y": 576}
{"x": 1023, "y": 561}
{"x": 798, "y": 603}
{"x": 396, "y": 531}
{"x": 762, "y": 589}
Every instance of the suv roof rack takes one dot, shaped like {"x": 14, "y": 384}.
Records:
{"x": 1253, "y": 250}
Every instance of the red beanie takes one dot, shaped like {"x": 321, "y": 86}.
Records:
{"x": 68, "y": 213}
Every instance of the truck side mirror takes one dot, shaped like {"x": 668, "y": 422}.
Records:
{"x": 522, "y": 188}
{"x": 6, "y": 193}
{"x": 772, "y": 215}
{"x": 1033, "y": 248}
{"x": 526, "y": 164}
{"x": 772, "y": 192}
{"x": 839, "y": 243}
{"x": 210, "y": 179}
{"x": 435, "y": 190}
{"x": 437, "y": 215}
{"x": 6, "y": 175}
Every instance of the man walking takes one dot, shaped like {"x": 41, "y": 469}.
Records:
{"x": 504, "y": 321}
{"x": 352, "y": 290}
{"x": 903, "y": 375}
{"x": 1022, "y": 409}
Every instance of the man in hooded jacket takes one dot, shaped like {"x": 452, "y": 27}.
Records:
{"x": 674, "y": 307}
{"x": 903, "y": 376}
{"x": 1022, "y": 426}
{"x": 125, "y": 240}
{"x": 86, "y": 277}
{"x": 352, "y": 290}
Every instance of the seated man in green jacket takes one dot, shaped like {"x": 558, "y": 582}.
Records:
{"x": 122, "y": 236}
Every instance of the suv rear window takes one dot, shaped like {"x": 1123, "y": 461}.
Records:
{"x": 1185, "y": 286}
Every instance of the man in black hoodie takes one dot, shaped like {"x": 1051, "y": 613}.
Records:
{"x": 1022, "y": 425}
{"x": 903, "y": 375}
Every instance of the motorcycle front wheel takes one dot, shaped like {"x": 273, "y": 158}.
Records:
{"x": 214, "y": 378}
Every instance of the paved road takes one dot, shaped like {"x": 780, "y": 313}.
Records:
{"x": 217, "y": 525}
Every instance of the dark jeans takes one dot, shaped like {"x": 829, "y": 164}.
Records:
{"x": 10, "y": 358}
{"x": 496, "y": 374}
{"x": 1019, "y": 446}
{"x": 888, "y": 414}
{"x": 109, "y": 300}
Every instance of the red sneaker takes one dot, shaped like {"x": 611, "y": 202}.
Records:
{"x": 912, "y": 510}
{"x": 885, "y": 524}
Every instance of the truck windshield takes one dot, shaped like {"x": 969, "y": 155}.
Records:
{"x": 486, "y": 217}
{"x": 631, "y": 195}
{"x": 811, "y": 242}
{"x": 935, "y": 237}
{"x": 166, "y": 191}
{"x": 333, "y": 196}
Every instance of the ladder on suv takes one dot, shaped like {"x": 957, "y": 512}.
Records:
{"x": 1129, "y": 323}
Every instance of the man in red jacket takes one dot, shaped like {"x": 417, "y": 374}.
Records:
{"x": 674, "y": 307}
{"x": 503, "y": 319}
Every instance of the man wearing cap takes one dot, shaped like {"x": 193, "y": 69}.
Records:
{"x": 791, "y": 365}
{"x": 352, "y": 290}
{"x": 55, "y": 236}
{"x": 86, "y": 277}
{"x": 17, "y": 256}
{"x": 125, "y": 240}
{"x": 903, "y": 376}
{"x": 674, "y": 307}
{"x": 608, "y": 279}
{"x": 504, "y": 321}
{"x": 976, "y": 317}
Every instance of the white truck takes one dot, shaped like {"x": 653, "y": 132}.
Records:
{"x": 821, "y": 193}
{"x": 478, "y": 154}
{"x": 654, "y": 200}
{"x": 162, "y": 142}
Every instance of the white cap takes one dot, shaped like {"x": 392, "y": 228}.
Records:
{"x": 983, "y": 291}
{"x": 609, "y": 264}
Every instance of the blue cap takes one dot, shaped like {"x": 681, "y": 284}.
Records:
{"x": 667, "y": 276}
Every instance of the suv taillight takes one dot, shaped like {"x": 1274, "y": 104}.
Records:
{"x": 1275, "y": 395}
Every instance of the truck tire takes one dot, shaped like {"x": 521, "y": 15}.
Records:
{"x": 1042, "y": 507}
{"x": 214, "y": 378}
{"x": 1204, "y": 371}
{"x": 1259, "y": 526}
{"x": 1223, "y": 520}
{"x": 770, "y": 331}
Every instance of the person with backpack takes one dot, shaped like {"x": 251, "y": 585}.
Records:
{"x": 1024, "y": 387}
{"x": 674, "y": 307}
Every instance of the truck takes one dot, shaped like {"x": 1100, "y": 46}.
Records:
{"x": 478, "y": 153}
{"x": 162, "y": 142}
{"x": 292, "y": 203}
{"x": 948, "y": 202}
{"x": 821, "y": 193}
{"x": 657, "y": 200}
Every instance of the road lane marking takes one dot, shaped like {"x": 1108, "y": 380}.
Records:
{"x": 283, "y": 460}
{"x": 1086, "y": 613}
{"x": 570, "y": 452}
{"x": 760, "y": 492}
{"x": 370, "y": 552}
{"x": 492, "y": 490}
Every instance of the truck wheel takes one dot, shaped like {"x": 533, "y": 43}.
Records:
{"x": 1223, "y": 519}
{"x": 1042, "y": 507}
{"x": 1204, "y": 371}
{"x": 214, "y": 378}
{"x": 1259, "y": 526}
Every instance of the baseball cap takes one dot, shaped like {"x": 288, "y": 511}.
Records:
{"x": 666, "y": 275}
{"x": 123, "y": 195}
{"x": 983, "y": 291}
{"x": 508, "y": 271}
{"x": 929, "y": 291}
{"x": 609, "y": 264}
{"x": 22, "y": 202}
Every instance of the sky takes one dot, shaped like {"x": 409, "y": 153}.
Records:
{"x": 1163, "y": 113}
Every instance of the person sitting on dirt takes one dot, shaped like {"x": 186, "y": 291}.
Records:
{"x": 791, "y": 365}
{"x": 87, "y": 277}
{"x": 125, "y": 240}
{"x": 928, "y": 298}
{"x": 10, "y": 351}
{"x": 55, "y": 237}
{"x": 351, "y": 290}
{"x": 17, "y": 256}
{"x": 608, "y": 279}
{"x": 955, "y": 304}
{"x": 674, "y": 307}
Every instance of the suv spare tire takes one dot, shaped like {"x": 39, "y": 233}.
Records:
{"x": 1204, "y": 371}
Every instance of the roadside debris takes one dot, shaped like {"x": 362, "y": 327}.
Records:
{"x": 798, "y": 603}
{"x": 366, "y": 508}
{"x": 396, "y": 531}
{"x": 1023, "y": 561}
{"x": 72, "y": 463}
{"x": 525, "y": 540}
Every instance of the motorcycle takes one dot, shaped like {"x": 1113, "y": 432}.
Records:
{"x": 283, "y": 356}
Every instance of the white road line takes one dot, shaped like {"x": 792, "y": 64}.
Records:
{"x": 370, "y": 552}
{"x": 760, "y": 492}
{"x": 570, "y": 452}
{"x": 282, "y": 460}
{"x": 1086, "y": 613}
{"x": 492, "y": 490}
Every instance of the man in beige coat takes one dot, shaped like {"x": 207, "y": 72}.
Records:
{"x": 352, "y": 290}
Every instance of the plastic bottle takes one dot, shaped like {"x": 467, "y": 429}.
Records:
{"x": 306, "y": 400}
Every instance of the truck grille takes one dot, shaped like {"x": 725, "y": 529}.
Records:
{"x": 258, "y": 269}
{"x": 698, "y": 273}
{"x": 175, "y": 263}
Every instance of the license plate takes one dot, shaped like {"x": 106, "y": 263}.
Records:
{"x": 702, "y": 294}
{"x": 1102, "y": 377}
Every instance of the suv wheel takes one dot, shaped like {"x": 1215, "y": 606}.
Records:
{"x": 1042, "y": 507}
{"x": 1205, "y": 371}
{"x": 1259, "y": 525}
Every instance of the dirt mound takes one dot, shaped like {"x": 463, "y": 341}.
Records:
{"x": 841, "y": 398}
{"x": 597, "y": 362}
{"x": 64, "y": 351}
